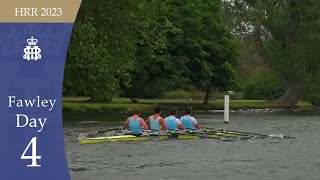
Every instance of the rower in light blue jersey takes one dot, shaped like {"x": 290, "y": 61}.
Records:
{"x": 172, "y": 122}
{"x": 135, "y": 123}
{"x": 156, "y": 122}
{"x": 188, "y": 121}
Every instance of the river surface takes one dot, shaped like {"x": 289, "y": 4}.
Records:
{"x": 207, "y": 159}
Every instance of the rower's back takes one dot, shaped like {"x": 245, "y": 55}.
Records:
{"x": 172, "y": 122}
{"x": 134, "y": 125}
{"x": 188, "y": 121}
{"x": 154, "y": 123}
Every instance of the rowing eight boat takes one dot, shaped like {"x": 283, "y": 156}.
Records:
{"x": 207, "y": 133}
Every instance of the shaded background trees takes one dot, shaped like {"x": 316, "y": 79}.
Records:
{"x": 141, "y": 49}
{"x": 144, "y": 48}
{"x": 101, "y": 50}
{"x": 284, "y": 35}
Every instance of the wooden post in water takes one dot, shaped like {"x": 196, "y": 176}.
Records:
{"x": 226, "y": 108}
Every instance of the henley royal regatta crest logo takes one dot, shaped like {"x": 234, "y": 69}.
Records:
{"x": 32, "y": 51}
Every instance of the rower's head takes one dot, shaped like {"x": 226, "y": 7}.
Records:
{"x": 158, "y": 109}
{"x": 189, "y": 110}
{"x": 136, "y": 112}
{"x": 174, "y": 111}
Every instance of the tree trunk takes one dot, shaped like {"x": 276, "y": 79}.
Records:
{"x": 292, "y": 94}
{"x": 260, "y": 42}
{"x": 207, "y": 96}
{"x": 292, "y": 25}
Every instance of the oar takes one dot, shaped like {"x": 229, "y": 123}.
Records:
{"x": 210, "y": 133}
{"x": 215, "y": 136}
{"x": 120, "y": 129}
{"x": 279, "y": 136}
{"x": 226, "y": 134}
{"x": 233, "y": 132}
{"x": 113, "y": 129}
{"x": 176, "y": 134}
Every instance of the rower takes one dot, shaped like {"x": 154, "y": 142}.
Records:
{"x": 135, "y": 123}
{"x": 188, "y": 121}
{"x": 156, "y": 122}
{"x": 172, "y": 122}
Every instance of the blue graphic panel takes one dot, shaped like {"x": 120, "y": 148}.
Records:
{"x": 32, "y": 58}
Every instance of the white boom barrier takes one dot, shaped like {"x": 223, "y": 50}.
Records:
{"x": 226, "y": 108}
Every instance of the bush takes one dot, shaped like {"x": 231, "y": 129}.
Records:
{"x": 176, "y": 95}
{"x": 315, "y": 99}
{"x": 264, "y": 86}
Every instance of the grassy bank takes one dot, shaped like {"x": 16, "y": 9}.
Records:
{"x": 82, "y": 104}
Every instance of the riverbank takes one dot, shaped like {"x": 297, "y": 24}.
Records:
{"x": 82, "y": 104}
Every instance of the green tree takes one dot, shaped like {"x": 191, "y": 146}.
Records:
{"x": 155, "y": 46}
{"x": 183, "y": 44}
{"x": 155, "y": 69}
{"x": 100, "y": 50}
{"x": 208, "y": 46}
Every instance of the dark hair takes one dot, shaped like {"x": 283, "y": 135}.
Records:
{"x": 188, "y": 110}
{"x": 158, "y": 109}
{"x": 174, "y": 111}
{"x": 136, "y": 111}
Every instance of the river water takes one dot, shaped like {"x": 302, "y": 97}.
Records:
{"x": 279, "y": 159}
